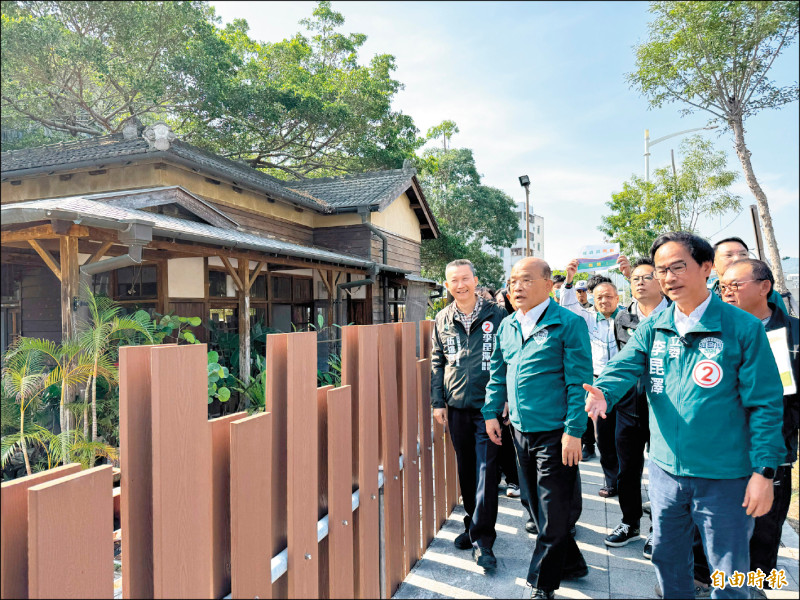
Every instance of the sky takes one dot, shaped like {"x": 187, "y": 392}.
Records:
{"x": 538, "y": 88}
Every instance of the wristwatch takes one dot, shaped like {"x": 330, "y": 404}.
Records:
{"x": 767, "y": 472}
{"x": 568, "y": 286}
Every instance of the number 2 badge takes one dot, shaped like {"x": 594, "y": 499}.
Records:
{"x": 707, "y": 373}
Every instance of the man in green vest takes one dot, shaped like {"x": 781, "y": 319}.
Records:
{"x": 715, "y": 404}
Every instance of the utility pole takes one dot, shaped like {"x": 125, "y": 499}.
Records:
{"x": 525, "y": 182}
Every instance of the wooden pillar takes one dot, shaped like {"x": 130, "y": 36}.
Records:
{"x": 70, "y": 288}
{"x": 244, "y": 319}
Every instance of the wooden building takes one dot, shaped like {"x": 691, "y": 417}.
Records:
{"x": 159, "y": 224}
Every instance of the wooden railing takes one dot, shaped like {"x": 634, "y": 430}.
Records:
{"x": 282, "y": 504}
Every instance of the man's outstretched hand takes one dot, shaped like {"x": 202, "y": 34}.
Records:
{"x": 595, "y": 402}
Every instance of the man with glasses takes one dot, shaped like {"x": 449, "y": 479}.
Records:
{"x": 463, "y": 340}
{"x": 714, "y": 395}
{"x": 540, "y": 360}
{"x": 748, "y": 284}
{"x": 600, "y": 322}
{"x": 727, "y": 252}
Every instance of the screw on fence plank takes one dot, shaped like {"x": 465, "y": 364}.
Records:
{"x": 413, "y": 462}
{"x": 344, "y": 523}
{"x": 373, "y": 496}
{"x": 308, "y": 557}
{"x": 395, "y": 477}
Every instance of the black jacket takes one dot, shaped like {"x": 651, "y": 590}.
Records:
{"x": 791, "y": 403}
{"x": 460, "y": 360}
{"x": 634, "y": 402}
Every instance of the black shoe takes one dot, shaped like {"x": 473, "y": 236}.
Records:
{"x": 462, "y": 542}
{"x": 607, "y": 492}
{"x": 575, "y": 571}
{"x": 588, "y": 452}
{"x": 647, "y": 551}
{"x": 530, "y": 527}
{"x": 622, "y": 535}
{"x": 484, "y": 557}
{"x": 537, "y": 593}
{"x": 573, "y": 532}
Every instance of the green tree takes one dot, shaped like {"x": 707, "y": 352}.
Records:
{"x": 83, "y": 68}
{"x": 300, "y": 107}
{"x": 672, "y": 201}
{"x": 472, "y": 217}
{"x": 715, "y": 57}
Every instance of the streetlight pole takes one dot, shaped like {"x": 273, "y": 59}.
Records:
{"x": 648, "y": 144}
{"x": 525, "y": 182}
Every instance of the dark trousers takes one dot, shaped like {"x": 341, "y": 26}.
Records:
{"x": 587, "y": 439}
{"x": 575, "y": 509}
{"x": 476, "y": 456}
{"x": 605, "y": 432}
{"x": 551, "y": 489}
{"x": 767, "y": 533}
{"x": 631, "y": 436}
{"x": 508, "y": 457}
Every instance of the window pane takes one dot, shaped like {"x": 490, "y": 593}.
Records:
{"x": 303, "y": 290}
{"x": 217, "y": 285}
{"x": 282, "y": 289}
{"x": 259, "y": 289}
{"x": 137, "y": 282}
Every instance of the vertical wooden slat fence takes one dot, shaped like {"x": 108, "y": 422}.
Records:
{"x": 251, "y": 506}
{"x": 14, "y": 530}
{"x": 340, "y": 505}
{"x": 69, "y": 544}
{"x": 283, "y": 504}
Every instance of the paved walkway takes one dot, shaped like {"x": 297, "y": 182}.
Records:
{"x": 445, "y": 572}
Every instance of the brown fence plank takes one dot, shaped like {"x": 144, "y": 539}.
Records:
{"x": 350, "y": 378}
{"x": 322, "y": 470}
{"x": 340, "y": 521}
{"x": 251, "y": 507}
{"x": 14, "y": 530}
{"x": 301, "y": 468}
{"x": 426, "y": 451}
{"x": 392, "y": 486}
{"x": 368, "y": 523}
{"x": 70, "y": 546}
{"x": 221, "y": 503}
{"x": 182, "y": 473}
{"x": 136, "y": 465}
{"x": 276, "y": 405}
{"x": 407, "y": 378}
{"x": 426, "y": 341}
{"x": 440, "y": 489}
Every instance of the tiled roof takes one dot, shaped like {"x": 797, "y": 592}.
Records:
{"x": 365, "y": 189}
{"x": 110, "y": 147}
{"x": 167, "y": 226}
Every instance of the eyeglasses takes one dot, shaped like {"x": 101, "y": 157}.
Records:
{"x": 735, "y": 285}
{"x": 677, "y": 269}
{"x": 639, "y": 278}
{"x": 525, "y": 283}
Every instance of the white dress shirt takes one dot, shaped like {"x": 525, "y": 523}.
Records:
{"x": 683, "y": 323}
{"x": 638, "y": 311}
{"x": 528, "y": 320}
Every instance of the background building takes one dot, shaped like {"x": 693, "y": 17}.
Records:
{"x": 517, "y": 251}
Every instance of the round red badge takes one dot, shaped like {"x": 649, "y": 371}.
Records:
{"x": 707, "y": 373}
{"x": 487, "y": 327}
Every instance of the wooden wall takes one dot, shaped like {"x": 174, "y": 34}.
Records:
{"x": 41, "y": 304}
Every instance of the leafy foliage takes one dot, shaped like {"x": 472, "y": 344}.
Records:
{"x": 715, "y": 56}
{"x": 643, "y": 210}
{"x": 216, "y": 372}
{"x": 471, "y": 216}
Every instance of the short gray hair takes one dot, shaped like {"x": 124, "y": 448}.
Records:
{"x": 461, "y": 262}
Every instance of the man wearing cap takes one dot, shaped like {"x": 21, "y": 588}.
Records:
{"x": 582, "y": 293}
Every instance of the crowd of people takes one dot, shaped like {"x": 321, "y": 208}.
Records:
{"x": 702, "y": 382}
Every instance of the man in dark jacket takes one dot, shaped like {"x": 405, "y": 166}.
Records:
{"x": 748, "y": 284}
{"x": 463, "y": 341}
{"x": 632, "y": 431}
